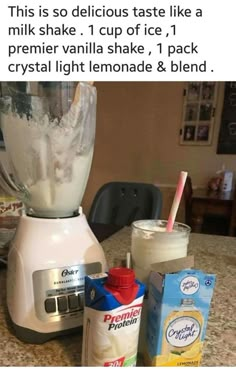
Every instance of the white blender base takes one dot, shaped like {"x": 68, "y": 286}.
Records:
{"x": 47, "y": 262}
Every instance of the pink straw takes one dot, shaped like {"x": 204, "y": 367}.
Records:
{"x": 176, "y": 202}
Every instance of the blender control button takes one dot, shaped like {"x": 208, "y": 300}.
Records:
{"x": 50, "y": 305}
{"x": 62, "y": 303}
{"x": 73, "y": 301}
{"x": 81, "y": 300}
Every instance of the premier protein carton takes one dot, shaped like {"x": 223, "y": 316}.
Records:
{"x": 113, "y": 305}
{"x": 178, "y": 307}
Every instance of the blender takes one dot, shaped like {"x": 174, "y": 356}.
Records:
{"x": 49, "y": 131}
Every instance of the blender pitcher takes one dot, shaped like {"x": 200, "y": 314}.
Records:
{"x": 49, "y": 131}
{"x": 49, "y": 141}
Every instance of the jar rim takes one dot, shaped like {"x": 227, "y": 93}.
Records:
{"x": 178, "y": 226}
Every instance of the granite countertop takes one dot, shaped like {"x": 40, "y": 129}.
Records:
{"x": 213, "y": 254}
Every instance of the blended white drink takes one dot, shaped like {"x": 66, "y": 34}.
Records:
{"x": 51, "y": 156}
{"x": 152, "y": 244}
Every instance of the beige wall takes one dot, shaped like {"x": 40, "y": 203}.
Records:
{"x": 137, "y": 137}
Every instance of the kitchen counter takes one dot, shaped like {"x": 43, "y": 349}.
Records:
{"x": 213, "y": 254}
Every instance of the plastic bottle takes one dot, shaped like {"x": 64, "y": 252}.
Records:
{"x": 113, "y": 305}
{"x": 182, "y": 328}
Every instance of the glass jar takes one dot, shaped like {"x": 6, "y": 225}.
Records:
{"x": 151, "y": 244}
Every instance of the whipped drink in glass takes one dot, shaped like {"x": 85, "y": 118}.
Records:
{"x": 151, "y": 244}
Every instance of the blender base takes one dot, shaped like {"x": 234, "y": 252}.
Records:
{"x": 30, "y": 336}
{"x": 47, "y": 262}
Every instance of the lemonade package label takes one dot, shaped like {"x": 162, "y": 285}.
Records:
{"x": 178, "y": 307}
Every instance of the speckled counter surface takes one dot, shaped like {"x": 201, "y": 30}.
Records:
{"x": 213, "y": 254}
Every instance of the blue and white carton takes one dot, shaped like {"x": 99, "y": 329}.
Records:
{"x": 111, "y": 321}
{"x": 178, "y": 308}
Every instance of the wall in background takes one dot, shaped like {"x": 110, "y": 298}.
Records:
{"x": 137, "y": 137}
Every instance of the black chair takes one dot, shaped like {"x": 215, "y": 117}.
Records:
{"x": 121, "y": 203}
{"x": 187, "y": 195}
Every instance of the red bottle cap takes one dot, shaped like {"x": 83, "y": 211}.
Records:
{"x": 121, "y": 283}
{"x": 120, "y": 278}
